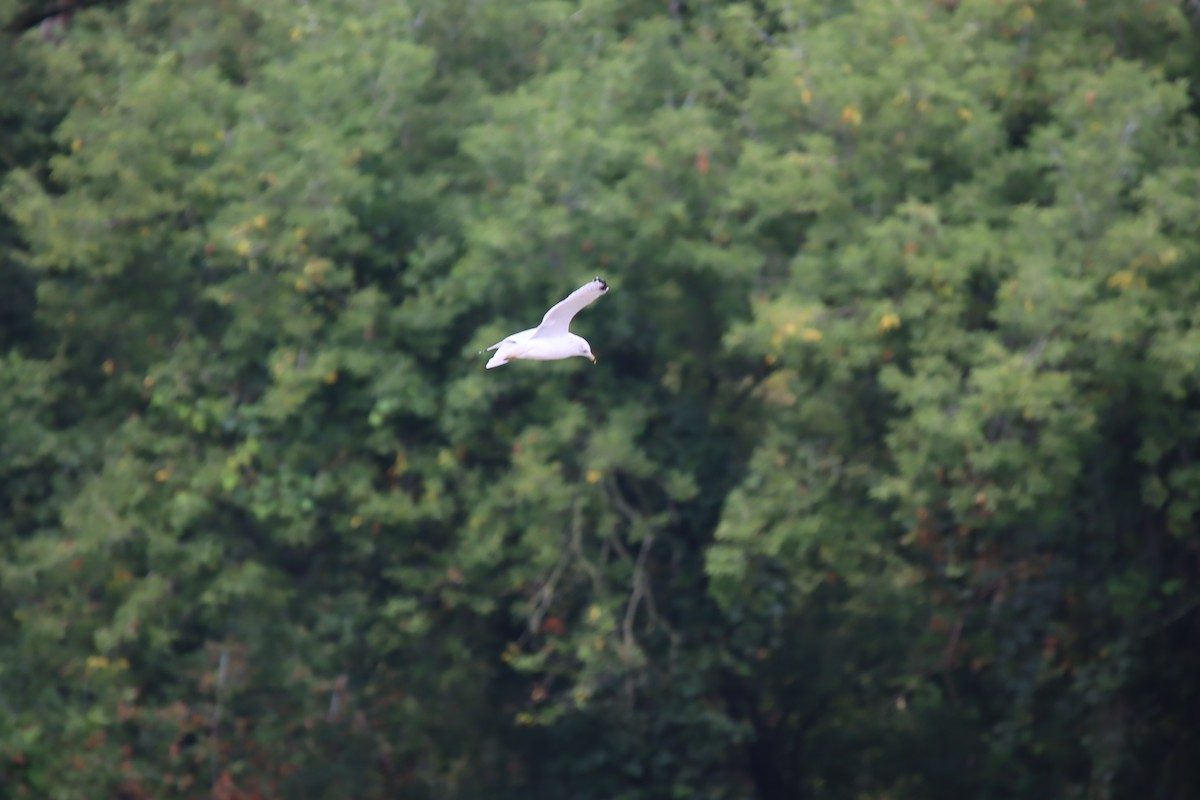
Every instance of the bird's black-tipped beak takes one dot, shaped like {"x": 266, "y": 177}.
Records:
{"x": 594, "y": 359}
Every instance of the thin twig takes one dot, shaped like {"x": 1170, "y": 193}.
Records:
{"x": 545, "y": 595}
{"x": 639, "y": 590}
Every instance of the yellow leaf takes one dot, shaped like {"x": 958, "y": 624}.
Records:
{"x": 888, "y": 322}
{"x": 316, "y": 268}
{"x": 1121, "y": 280}
{"x": 593, "y": 476}
{"x": 162, "y": 475}
{"x": 811, "y": 335}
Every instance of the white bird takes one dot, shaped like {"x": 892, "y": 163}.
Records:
{"x": 551, "y": 340}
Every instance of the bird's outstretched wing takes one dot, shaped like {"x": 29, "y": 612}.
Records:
{"x": 558, "y": 318}
{"x": 516, "y": 338}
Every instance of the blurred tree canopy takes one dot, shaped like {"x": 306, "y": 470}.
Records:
{"x": 887, "y": 482}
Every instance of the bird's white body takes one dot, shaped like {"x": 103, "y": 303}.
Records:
{"x": 551, "y": 340}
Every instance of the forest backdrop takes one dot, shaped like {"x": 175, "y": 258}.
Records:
{"x": 886, "y": 484}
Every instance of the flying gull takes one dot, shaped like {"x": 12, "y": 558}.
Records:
{"x": 551, "y": 340}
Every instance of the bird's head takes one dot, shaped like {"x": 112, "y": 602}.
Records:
{"x": 585, "y": 350}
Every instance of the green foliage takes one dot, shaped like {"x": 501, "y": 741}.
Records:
{"x": 884, "y": 484}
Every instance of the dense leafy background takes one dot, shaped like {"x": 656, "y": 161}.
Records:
{"x": 886, "y": 485}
